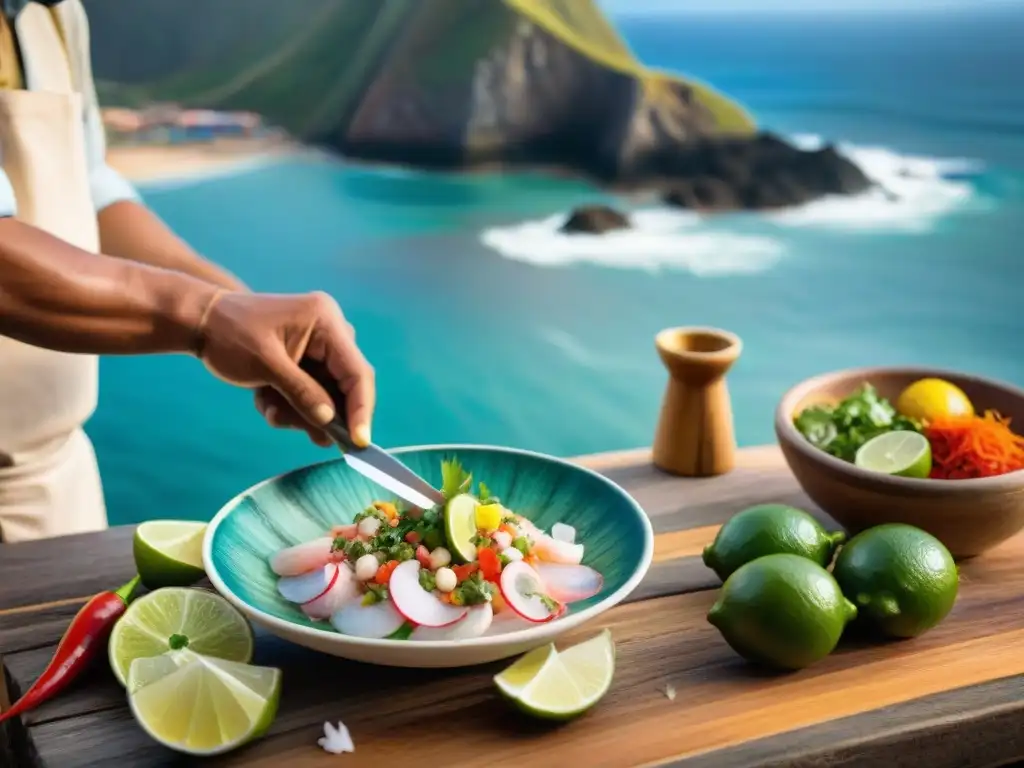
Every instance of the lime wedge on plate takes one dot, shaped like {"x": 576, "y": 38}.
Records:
{"x": 902, "y": 453}
{"x": 561, "y": 685}
{"x": 169, "y": 553}
{"x": 176, "y": 618}
{"x": 202, "y": 705}
{"x": 460, "y": 526}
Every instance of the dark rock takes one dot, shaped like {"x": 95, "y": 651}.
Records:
{"x": 761, "y": 172}
{"x": 595, "y": 219}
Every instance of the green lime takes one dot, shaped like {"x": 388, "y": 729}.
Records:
{"x": 557, "y": 685}
{"x": 175, "y": 618}
{"x": 782, "y": 610}
{"x": 202, "y": 705}
{"x": 169, "y": 553}
{"x": 902, "y": 579}
{"x": 460, "y": 527}
{"x": 901, "y": 452}
{"x": 769, "y": 529}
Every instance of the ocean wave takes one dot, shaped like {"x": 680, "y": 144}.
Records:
{"x": 658, "y": 240}
{"x": 911, "y": 192}
{"x": 910, "y": 195}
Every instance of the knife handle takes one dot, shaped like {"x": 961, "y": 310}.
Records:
{"x": 337, "y": 429}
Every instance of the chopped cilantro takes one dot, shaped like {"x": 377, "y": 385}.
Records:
{"x": 474, "y": 591}
{"x": 433, "y": 539}
{"x": 339, "y": 544}
{"x": 355, "y": 549}
{"x": 505, "y": 559}
{"x": 508, "y": 520}
{"x": 522, "y": 544}
{"x": 485, "y": 495}
{"x": 841, "y": 429}
{"x": 427, "y": 580}
{"x": 481, "y": 540}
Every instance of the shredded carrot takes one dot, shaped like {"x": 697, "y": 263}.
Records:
{"x": 965, "y": 447}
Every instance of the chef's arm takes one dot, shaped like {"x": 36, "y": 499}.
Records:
{"x": 131, "y": 231}
{"x": 60, "y": 297}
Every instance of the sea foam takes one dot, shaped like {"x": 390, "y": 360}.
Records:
{"x": 910, "y": 195}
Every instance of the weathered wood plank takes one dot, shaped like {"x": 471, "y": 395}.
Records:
{"x": 721, "y": 702}
{"x": 66, "y": 567}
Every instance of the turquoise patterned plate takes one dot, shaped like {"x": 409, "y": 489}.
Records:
{"x": 302, "y": 505}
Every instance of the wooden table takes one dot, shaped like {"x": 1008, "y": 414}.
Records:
{"x": 953, "y": 697}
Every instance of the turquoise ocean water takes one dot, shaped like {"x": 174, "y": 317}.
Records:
{"x": 486, "y": 326}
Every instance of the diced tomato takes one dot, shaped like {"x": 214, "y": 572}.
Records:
{"x": 423, "y": 556}
{"x": 463, "y": 572}
{"x": 384, "y": 572}
{"x": 412, "y": 537}
{"x": 490, "y": 565}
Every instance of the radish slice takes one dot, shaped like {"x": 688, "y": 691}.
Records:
{"x": 303, "y": 558}
{"x": 375, "y": 621}
{"x": 415, "y": 603}
{"x": 344, "y": 531}
{"x": 344, "y": 589}
{"x": 563, "y": 532}
{"x": 524, "y": 592}
{"x": 507, "y": 621}
{"x": 569, "y": 583}
{"x": 308, "y": 586}
{"x": 473, "y": 625}
{"x": 555, "y": 551}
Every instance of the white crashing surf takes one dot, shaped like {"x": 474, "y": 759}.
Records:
{"x": 658, "y": 240}
{"x": 910, "y": 195}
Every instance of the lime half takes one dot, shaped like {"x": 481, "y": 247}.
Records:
{"x": 202, "y": 705}
{"x": 560, "y": 685}
{"x": 169, "y": 553}
{"x": 903, "y": 453}
{"x": 177, "y": 618}
{"x": 460, "y": 526}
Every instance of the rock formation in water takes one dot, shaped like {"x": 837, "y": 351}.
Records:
{"x": 461, "y": 84}
{"x": 595, "y": 219}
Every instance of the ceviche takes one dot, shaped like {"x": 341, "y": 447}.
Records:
{"x": 469, "y": 568}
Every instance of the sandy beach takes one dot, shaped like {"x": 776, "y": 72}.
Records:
{"x": 155, "y": 164}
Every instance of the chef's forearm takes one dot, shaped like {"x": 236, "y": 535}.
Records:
{"x": 129, "y": 230}
{"x": 60, "y": 297}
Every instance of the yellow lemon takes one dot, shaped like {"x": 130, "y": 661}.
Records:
{"x": 928, "y": 399}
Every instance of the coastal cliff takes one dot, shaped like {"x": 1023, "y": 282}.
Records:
{"x": 460, "y": 84}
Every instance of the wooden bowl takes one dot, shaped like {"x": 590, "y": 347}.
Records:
{"x": 968, "y": 516}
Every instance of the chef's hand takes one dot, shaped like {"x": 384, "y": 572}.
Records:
{"x": 255, "y": 340}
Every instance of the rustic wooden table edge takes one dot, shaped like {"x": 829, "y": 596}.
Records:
{"x": 976, "y": 721}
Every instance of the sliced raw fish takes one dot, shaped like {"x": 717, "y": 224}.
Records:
{"x": 303, "y": 558}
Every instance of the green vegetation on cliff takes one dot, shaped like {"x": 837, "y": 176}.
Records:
{"x": 312, "y": 66}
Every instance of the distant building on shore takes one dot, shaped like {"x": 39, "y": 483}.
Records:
{"x": 171, "y": 124}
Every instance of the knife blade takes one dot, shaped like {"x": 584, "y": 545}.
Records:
{"x": 372, "y": 462}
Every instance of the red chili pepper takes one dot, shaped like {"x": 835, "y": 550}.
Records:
{"x": 86, "y": 635}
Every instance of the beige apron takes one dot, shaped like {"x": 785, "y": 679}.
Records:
{"x": 49, "y": 479}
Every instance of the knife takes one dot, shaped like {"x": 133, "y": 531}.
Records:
{"x": 372, "y": 462}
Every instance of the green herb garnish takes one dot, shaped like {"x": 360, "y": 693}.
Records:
{"x": 379, "y": 593}
{"x": 841, "y": 429}
{"x": 454, "y": 479}
{"x": 522, "y": 544}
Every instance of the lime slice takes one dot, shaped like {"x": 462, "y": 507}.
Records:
{"x": 460, "y": 527}
{"x": 903, "y": 453}
{"x": 202, "y": 705}
{"x": 174, "y": 618}
{"x": 169, "y": 553}
{"x": 559, "y": 686}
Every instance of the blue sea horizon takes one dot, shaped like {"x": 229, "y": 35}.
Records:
{"x": 487, "y": 326}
